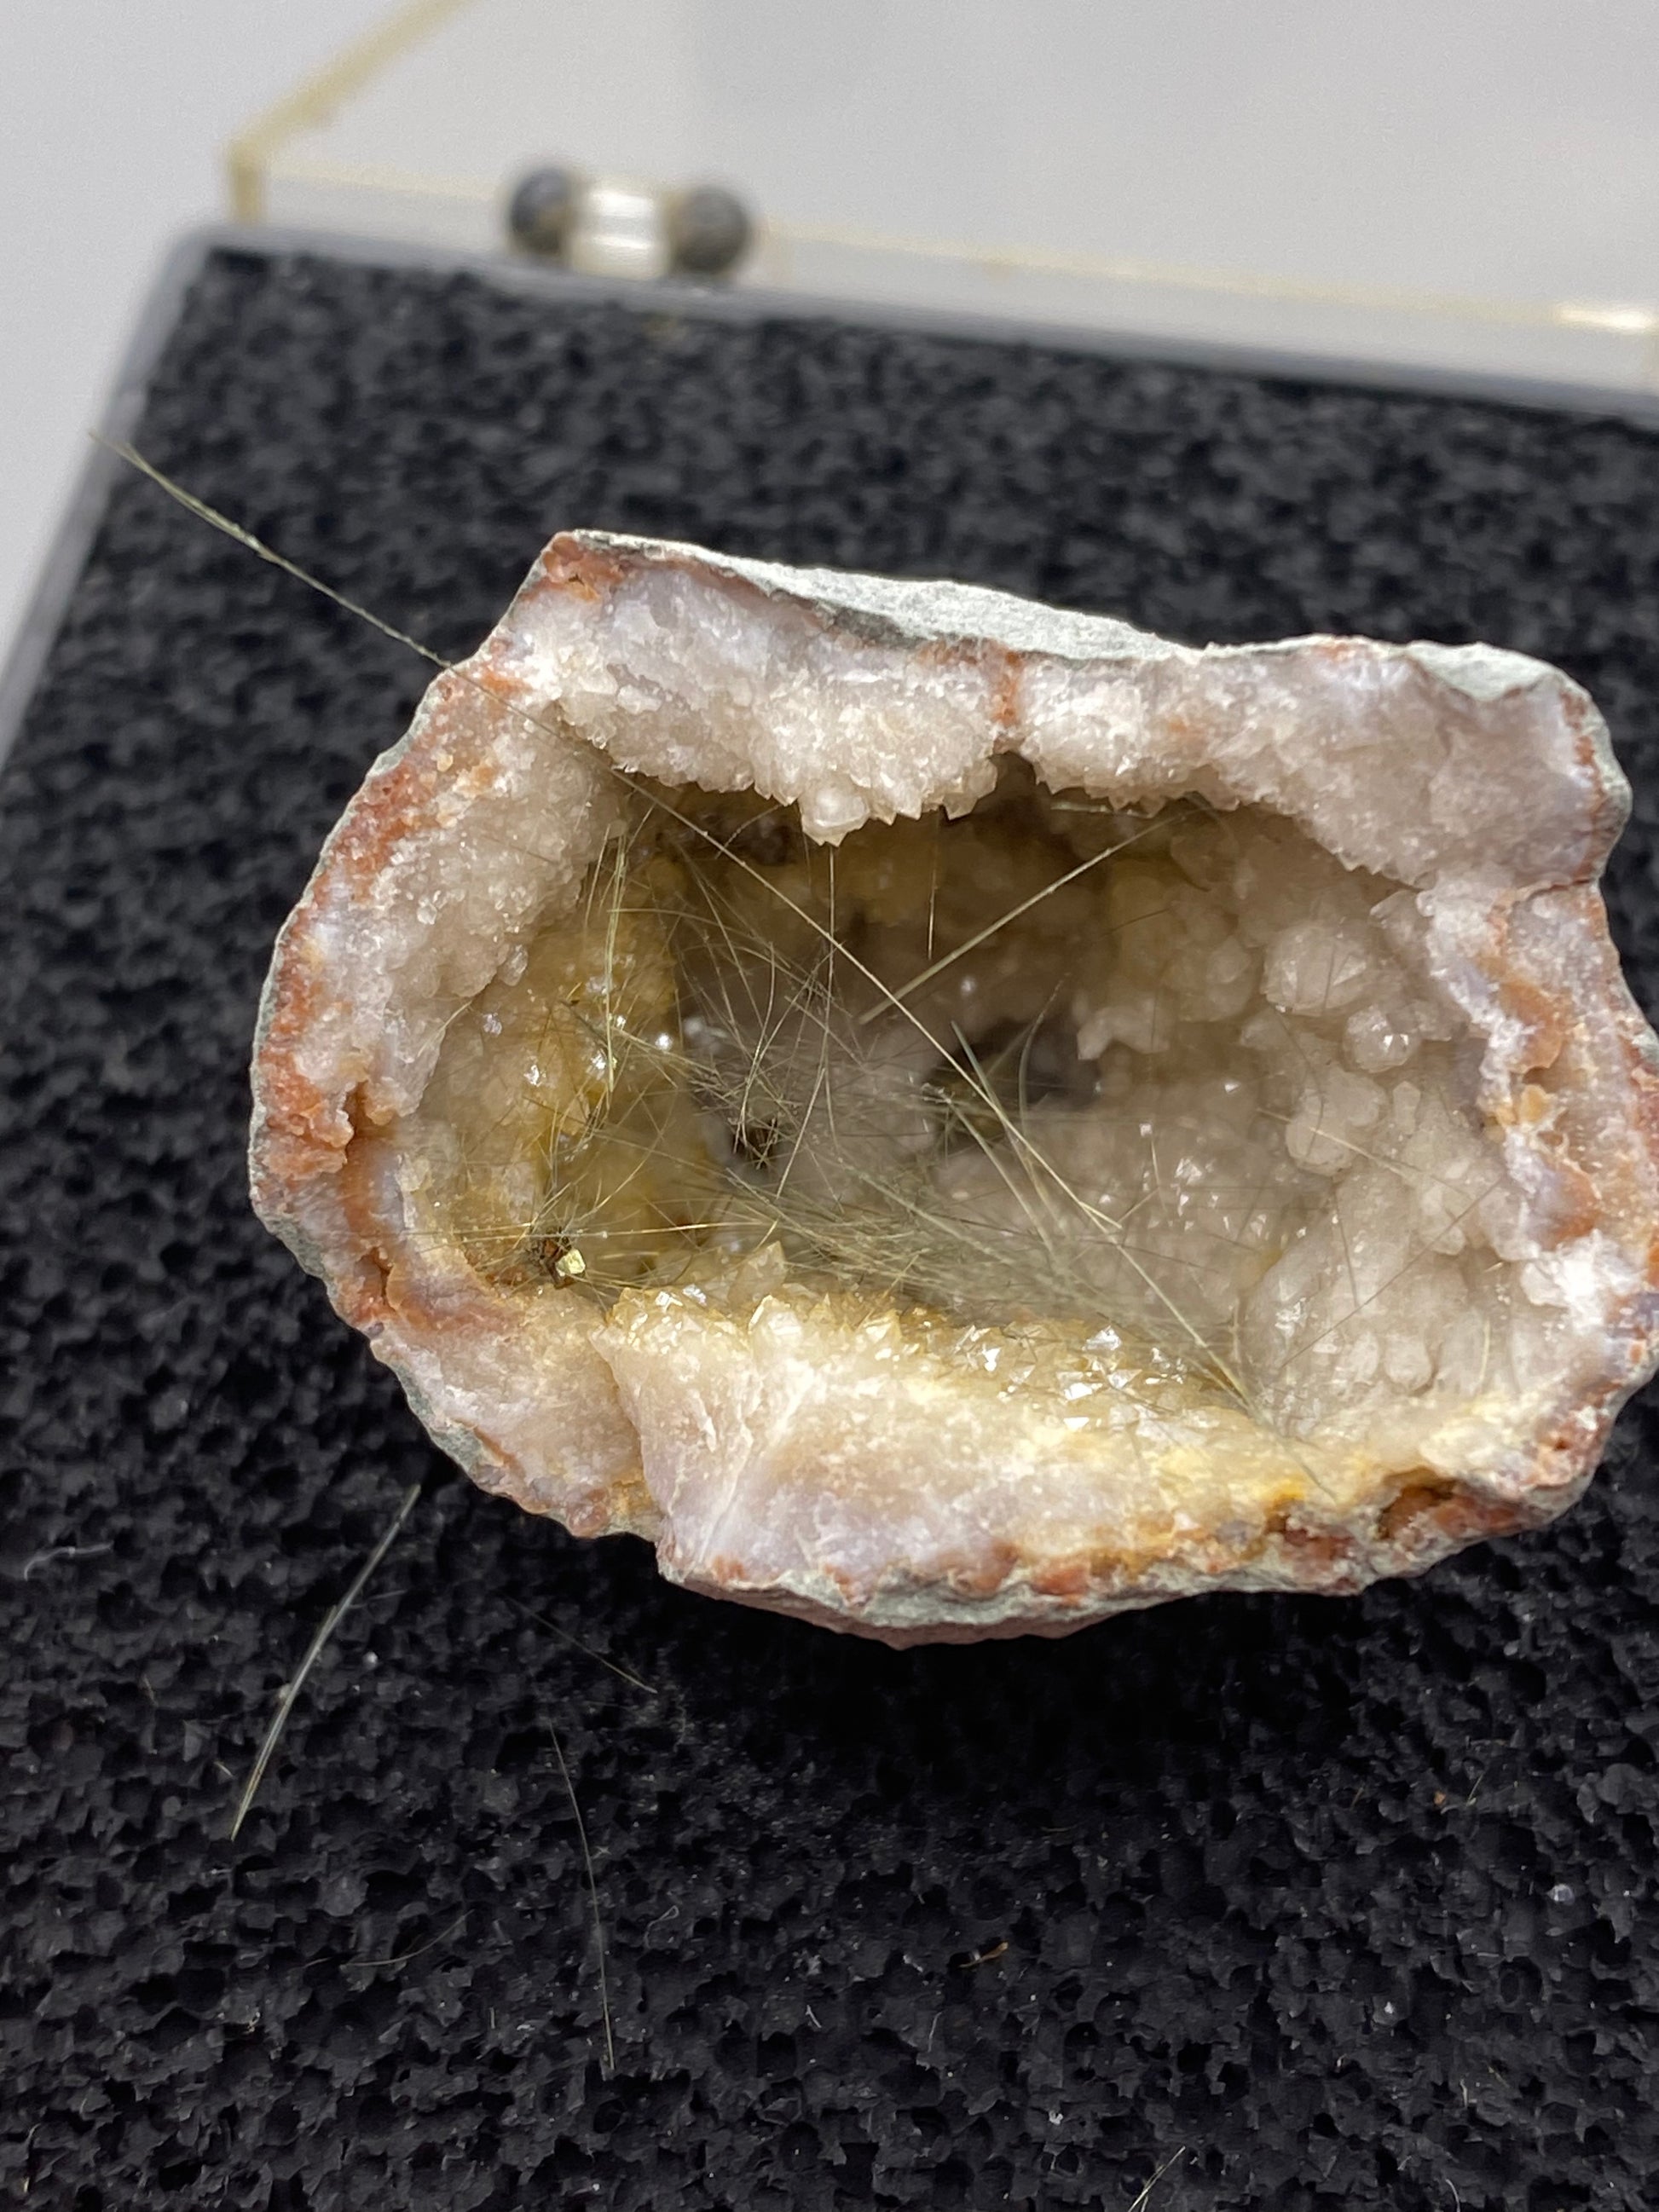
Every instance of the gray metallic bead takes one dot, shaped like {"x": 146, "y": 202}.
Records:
{"x": 708, "y": 231}
{"x": 540, "y": 214}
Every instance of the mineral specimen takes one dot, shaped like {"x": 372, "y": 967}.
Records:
{"x": 955, "y": 1118}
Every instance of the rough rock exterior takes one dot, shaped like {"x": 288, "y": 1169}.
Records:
{"x": 794, "y": 1449}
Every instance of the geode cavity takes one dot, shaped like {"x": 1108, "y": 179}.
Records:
{"x": 952, "y": 1118}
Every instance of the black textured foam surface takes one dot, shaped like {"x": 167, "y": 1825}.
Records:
{"x": 1331, "y": 1904}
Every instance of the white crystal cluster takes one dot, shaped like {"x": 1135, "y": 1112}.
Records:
{"x": 1313, "y": 1229}
{"x": 1287, "y": 1133}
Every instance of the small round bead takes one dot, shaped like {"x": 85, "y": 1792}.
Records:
{"x": 540, "y": 213}
{"x": 708, "y": 231}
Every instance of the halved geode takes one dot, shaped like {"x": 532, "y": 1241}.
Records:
{"x": 952, "y": 1118}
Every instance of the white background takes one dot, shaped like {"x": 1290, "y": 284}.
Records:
{"x": 114, "y": 116}
{"x": 1501, "y": 145}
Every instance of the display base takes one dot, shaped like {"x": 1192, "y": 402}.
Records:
{"x": 1334, "y": 1904}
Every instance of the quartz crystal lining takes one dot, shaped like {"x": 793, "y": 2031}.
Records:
{"x": 1171, "y": 1089}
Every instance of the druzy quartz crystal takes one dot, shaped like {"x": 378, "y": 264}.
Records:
{"x": 952, "y": 1118}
